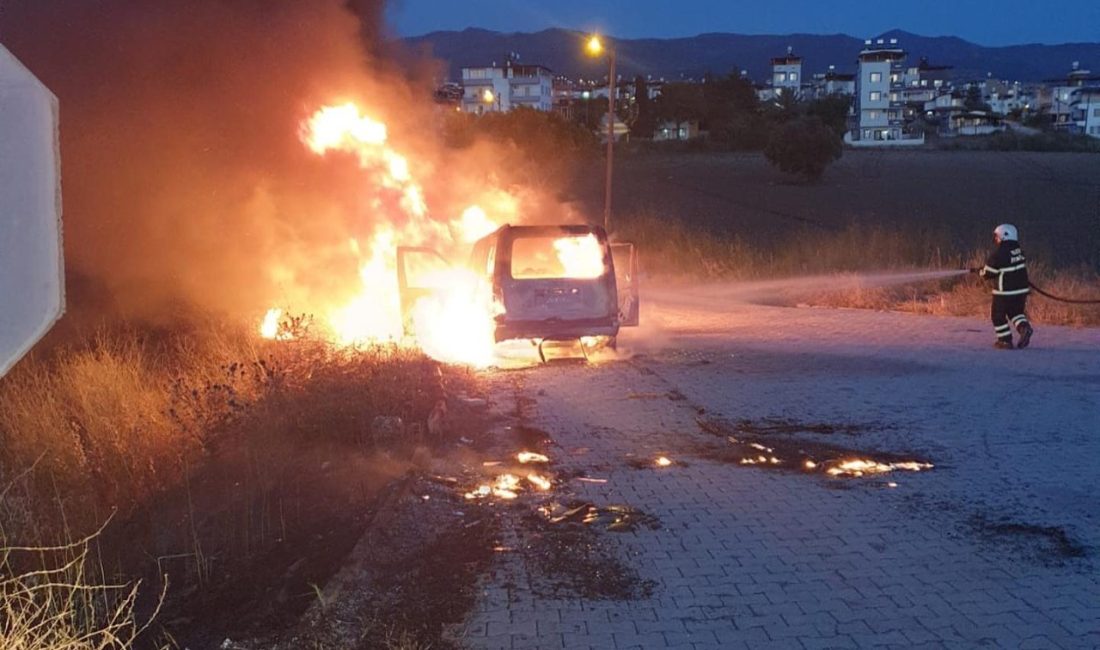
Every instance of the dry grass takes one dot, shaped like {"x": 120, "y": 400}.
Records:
{"x": 115, "y": 419}
{"x": 130, "y": 416}
{"x": 970, "y": 297}
{"x": 671, "y": 249}
{"x": 50, "y": 599}
{"x": 129, "y": 413}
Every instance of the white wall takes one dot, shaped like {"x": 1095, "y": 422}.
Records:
{"x": 32, "y": 286}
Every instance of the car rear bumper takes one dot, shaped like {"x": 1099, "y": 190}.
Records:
{"x": 556, "y": 328}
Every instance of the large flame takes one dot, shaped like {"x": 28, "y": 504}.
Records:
{"x": 453, "y": 319}
{"x": 453, "y": 323}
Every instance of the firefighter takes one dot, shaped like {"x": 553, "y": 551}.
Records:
{"x": 1006, "y": 270}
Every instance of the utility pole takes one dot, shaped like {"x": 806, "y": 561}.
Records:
{"x": 611, "y": 91}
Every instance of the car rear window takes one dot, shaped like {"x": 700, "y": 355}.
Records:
{"x": 567, "y": 256}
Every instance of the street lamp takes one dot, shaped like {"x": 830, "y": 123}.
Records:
{"x": 595, "y": 47}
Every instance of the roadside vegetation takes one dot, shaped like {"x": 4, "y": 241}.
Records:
{"x": 673, "y": 250}
{"x": 803, "y": 147}
{"x": 968, "y": 296}
{"x": 57, "y": 601}
{"x": 214, "y": 454}
{"x": 1040, "y": 141}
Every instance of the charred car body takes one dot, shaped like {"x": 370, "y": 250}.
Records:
{"x": 552, "y": 283}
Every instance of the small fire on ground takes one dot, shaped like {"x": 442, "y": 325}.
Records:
{"x": 818, "y": 457}
{"x": 860, "y": 467}
{"x": 454, "y": 320}
{"x": 509, "y": 485}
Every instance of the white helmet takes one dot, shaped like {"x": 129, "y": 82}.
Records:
{"x": 1006, "y": 232}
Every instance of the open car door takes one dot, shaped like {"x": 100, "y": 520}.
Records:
{"x": 625, "y": 257}
{"x": 414, "y": 265}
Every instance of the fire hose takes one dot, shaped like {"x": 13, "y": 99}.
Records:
{"x": 1043, "y": 292}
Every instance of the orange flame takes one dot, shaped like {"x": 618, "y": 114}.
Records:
{"x": 455, "y": 322}
{"x": 581, "y": 257}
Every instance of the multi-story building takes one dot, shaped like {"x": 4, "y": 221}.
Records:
{"x": 924, "y": 82}
{"x": 1062, "y": 96}
{"x": 879, "y": 117}
{"x": 503, "y": 89}
{"x": 1085, "y": 111}
{"x": 787, "y": 74}
{"x": 831, "y": 82}
{"x": 1004, "y": 97}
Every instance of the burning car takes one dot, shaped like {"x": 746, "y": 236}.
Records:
{"x": 545, "y": 283}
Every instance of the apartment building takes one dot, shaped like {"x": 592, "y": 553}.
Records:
{"x": 502, "y": 89}
{"x": 879, "y": 117}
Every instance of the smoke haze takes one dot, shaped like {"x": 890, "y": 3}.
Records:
{"x": 184, "y": 179}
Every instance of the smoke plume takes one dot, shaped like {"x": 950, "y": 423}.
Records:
{"x": 184, "y": 179}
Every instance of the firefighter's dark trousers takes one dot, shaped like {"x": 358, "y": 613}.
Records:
{"x": 1008, "y": 312}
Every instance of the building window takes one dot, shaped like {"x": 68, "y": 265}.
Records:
{"x": 893, "y": 97}
{"x": 793, "y": 77}
{"x": 873, "y": 115}
{"x": 1096, "y": 112}
{"x": 780, "y": 77}
{"x": 876, "y": 77}
{"x": 894, "y": 78}
{"x": 876, "y": 95}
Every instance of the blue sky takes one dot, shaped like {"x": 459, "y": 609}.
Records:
{"x": 989, "y": 23}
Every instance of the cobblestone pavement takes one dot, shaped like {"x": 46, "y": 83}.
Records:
{"x": 994, "y": 547}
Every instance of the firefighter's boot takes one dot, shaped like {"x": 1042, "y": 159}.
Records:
{"x": 1026, "y": 330}
{"x": 1003, "y": 344}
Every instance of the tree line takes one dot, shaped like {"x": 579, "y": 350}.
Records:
{"x": 799, "y": 137}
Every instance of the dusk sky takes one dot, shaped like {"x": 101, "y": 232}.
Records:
{"x": 989, "y": 23}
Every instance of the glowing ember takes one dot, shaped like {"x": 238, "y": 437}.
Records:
{"x": 480, "y": 492}
{"x": 810, "y": 464}
{"x": 531, "y": 457}
{"x": 861, "y": 467}
{"x": 506, "y": 486}
{"x": 663, "y": 462}
{"x": 539, "y": 481}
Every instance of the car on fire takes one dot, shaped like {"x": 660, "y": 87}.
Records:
{"x": 550, "y": 283}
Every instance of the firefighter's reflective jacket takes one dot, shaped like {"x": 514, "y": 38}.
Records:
{"x": 1006, "y": 269}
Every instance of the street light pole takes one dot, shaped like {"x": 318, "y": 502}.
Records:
{"x": 611, "y": 88}
{"x": 595, "y": 48}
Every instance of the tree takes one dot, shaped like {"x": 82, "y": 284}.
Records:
{"x": 589, "y": 112}
{"x": 732, "y": 113}
{"x": 804, "y": 146}
{"x": 645, "y": 118}
{"x": 832, "y": 111}
{"x": 681, "y": 102}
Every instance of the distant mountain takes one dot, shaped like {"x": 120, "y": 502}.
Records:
{"x": 675, "y": 58}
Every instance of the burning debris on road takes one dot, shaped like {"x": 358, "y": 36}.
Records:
{"x": 789, "y": 453}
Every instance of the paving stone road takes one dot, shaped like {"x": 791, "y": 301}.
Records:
{"x": 997, "y": 546}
